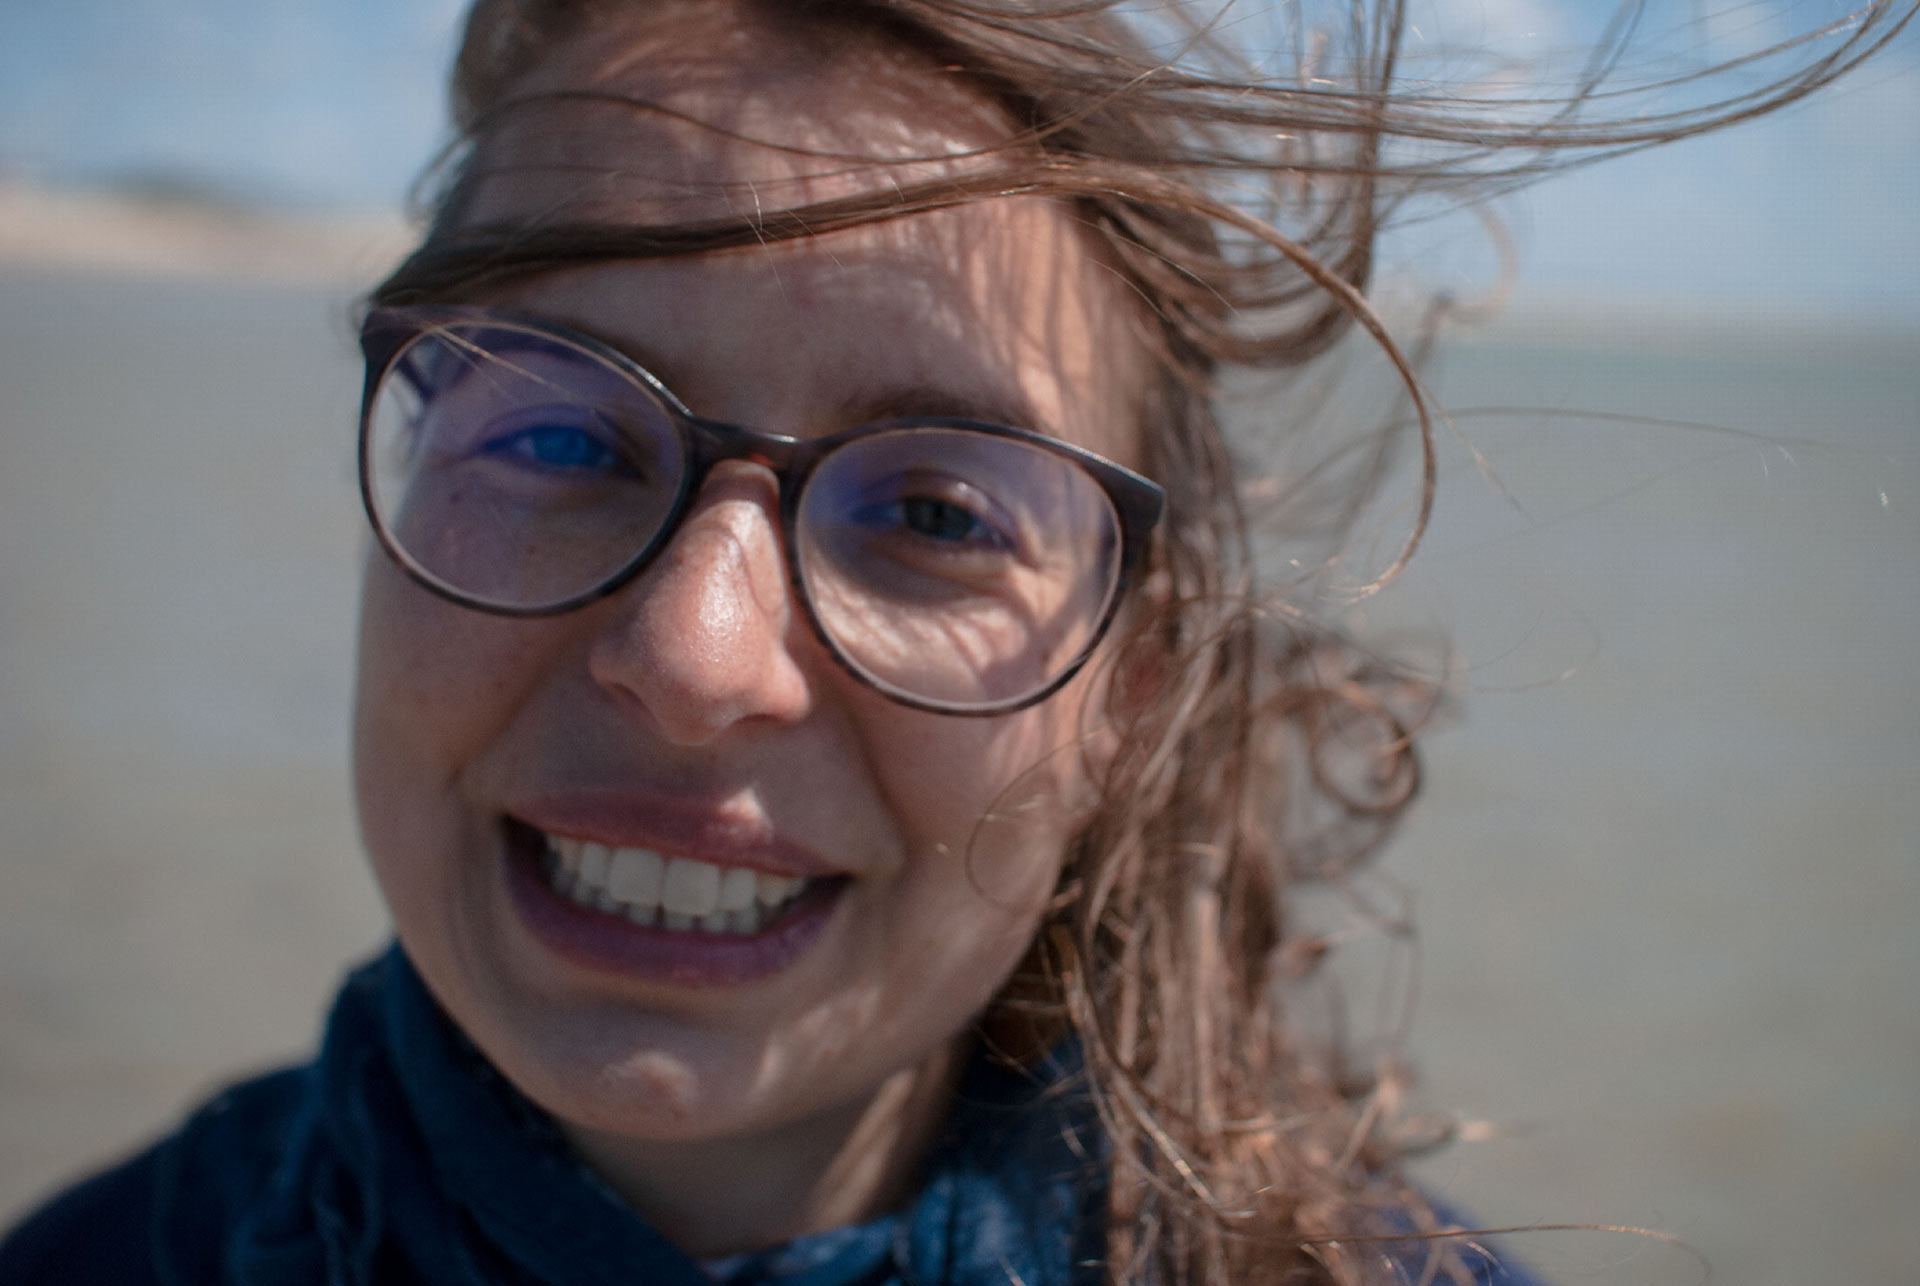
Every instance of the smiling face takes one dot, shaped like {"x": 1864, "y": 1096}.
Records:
{"x": 691, "y": 723}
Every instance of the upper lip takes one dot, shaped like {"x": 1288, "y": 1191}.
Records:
{"x": 725, "y": 834}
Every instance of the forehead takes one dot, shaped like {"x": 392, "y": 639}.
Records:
{"x": 696, "y": 112}
{"x": 691, "y": 119}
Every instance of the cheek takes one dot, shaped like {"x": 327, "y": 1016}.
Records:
{"x": 987, "y": 807}
{"x": 435, "y": 685}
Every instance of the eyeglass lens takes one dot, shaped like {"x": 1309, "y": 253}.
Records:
{"x": 518, "y": 472}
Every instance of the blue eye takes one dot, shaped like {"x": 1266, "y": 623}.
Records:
{"x": 559, "y": 448}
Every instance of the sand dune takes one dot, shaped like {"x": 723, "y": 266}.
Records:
{"x": 168, "y": 236}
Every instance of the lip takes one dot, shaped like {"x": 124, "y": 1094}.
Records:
{"x": 591, "y": 940}
{"x": 674, "y": 826}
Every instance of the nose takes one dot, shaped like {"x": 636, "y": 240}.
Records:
{"x": 705, "y": 638}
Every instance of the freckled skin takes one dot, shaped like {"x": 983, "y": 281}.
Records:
{"x": 741, "y": 1114}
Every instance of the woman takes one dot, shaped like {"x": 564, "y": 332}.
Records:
{"x": 830, "y": 777}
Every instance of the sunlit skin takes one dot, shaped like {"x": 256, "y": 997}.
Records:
{"x": 738, "y": 1114}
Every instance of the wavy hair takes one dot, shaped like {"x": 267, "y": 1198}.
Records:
{"x": 1259, "y": 747}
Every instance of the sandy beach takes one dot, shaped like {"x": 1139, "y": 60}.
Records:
{"x": 1664, "y": 874}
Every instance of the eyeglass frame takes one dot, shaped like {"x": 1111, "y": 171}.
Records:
{"x": 387, "y": 332}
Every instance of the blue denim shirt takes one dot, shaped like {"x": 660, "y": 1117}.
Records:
{"x": 400, "y": 1155}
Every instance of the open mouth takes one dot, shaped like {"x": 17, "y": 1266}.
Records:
{"x": 652, "y": 890}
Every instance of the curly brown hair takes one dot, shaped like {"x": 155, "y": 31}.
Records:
{"x": 1259, "y": 747}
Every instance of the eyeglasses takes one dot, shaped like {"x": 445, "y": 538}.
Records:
{"x": 519, "y": 468}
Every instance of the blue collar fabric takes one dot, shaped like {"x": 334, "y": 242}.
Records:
{"x": 406, "y": 1157}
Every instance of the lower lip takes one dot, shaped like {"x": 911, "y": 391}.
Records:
{"x": 603, "y": 943}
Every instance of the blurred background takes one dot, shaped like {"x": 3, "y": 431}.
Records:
{"x": 1667, "y": 864}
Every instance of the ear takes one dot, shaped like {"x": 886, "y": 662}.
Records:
{"x": 1137, "y": 672}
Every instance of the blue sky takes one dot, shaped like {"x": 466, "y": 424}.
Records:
{"x": 319, "y": 102}
{"x": 337, "y": 104}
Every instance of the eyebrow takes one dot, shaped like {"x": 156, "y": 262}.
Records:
{"x": 913, "y": 403}
{"x": 904, "y": 402}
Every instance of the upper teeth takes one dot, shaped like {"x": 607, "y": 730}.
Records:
{"x": 683, "y": 892}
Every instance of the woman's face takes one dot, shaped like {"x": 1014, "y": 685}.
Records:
{"x": 694, "y": 714}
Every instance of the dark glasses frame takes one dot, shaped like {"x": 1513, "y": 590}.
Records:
{"x": 388, "y": 332}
